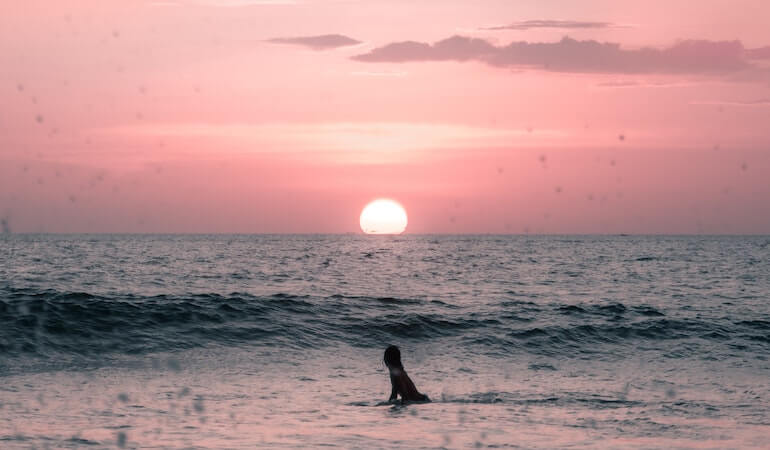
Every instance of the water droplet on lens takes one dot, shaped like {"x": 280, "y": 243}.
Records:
{"x": 670, "y": 392}
{"x": 121, "y": 439}
{"x": 171, "y": 363}
{"x": 198, "y": 404}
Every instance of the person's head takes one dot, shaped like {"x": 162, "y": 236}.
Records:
{"x": 393, "y": 357}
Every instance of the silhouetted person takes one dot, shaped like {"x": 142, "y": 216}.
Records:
{"x": 402, "y": 384}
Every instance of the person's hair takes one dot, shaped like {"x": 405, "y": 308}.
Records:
{"x": 393, "y": 357}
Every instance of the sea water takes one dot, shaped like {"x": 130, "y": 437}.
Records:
{"x": 166, "y": 341}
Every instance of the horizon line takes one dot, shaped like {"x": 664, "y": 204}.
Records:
{"x": 349, "y": 233}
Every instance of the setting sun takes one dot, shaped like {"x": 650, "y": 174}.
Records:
{"x": 383, "y": 216}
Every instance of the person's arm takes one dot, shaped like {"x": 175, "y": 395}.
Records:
{"x": 394, "y": 392}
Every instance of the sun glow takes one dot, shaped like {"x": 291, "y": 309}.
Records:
{"x": 383, "y": 216}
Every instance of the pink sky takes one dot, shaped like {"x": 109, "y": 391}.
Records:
{"x": 289, "y": 116}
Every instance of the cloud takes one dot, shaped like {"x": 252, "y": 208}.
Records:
{"x": 759, "y": 53}
{"x": 620, "y": 84}
{"x": 553, "y": 24}
{"x": 322, "y": 42}
{"x": 342, "y": 141}
{"x": 570, "y": 55}
{"x": 456, "y": 48}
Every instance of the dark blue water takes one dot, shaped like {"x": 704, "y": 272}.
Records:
{"x": 682, "y": 322}
{"x": 96, "y": 296}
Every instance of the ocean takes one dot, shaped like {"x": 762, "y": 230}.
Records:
{"x": 276, "y": 341}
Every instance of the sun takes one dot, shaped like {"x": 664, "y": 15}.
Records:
{"x": 383, "y": 216}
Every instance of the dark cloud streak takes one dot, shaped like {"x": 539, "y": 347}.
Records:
{"x": 570, "y": 55}
{"x": 553, "y": 24}
{"x": 322, "y": 42}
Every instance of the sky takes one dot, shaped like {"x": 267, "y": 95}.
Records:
{"x": 281, "y": 116}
